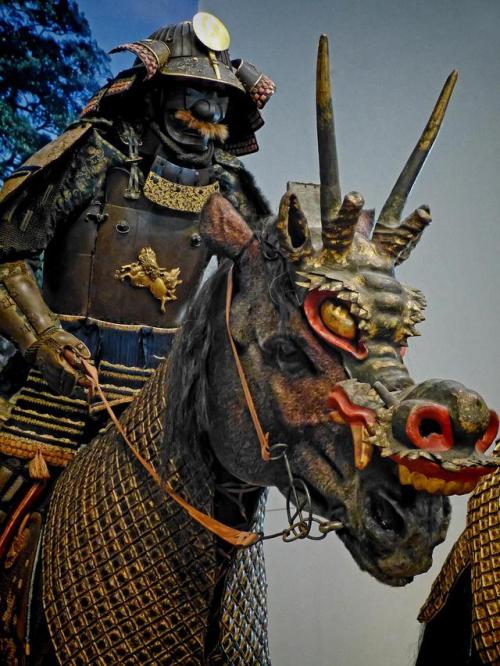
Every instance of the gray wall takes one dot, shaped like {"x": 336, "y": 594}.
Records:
{"x": 390, "y": 59}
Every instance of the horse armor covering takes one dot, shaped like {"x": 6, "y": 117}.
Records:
{"x": 128, "y": 576}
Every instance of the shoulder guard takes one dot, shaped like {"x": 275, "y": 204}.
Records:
{"x": 226, "y": 159}
{"x": 42, "y": 159}
{"x": 66, "y": 177}
{"x": 239, "y": 187}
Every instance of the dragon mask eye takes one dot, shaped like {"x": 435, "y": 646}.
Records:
{"x": 334, "y": 323}
{"x": 338, "y": 320}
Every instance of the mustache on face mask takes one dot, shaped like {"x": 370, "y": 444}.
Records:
{"x": 208, "y": 130}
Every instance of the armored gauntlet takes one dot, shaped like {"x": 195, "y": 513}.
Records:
{"x": 26, "y": 320}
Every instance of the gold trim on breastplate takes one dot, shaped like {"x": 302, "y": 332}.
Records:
{"x": 188, "y": 198}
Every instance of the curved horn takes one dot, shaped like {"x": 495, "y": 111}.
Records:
{"x": 398, "y": 242}
{"x": 338, "y": 237}
{"x": 392, "y": 210}
{"x": 328, "y": 165}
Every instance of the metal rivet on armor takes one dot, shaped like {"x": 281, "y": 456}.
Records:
{"x": 122, "y": 228}
{"x": 196, "y": 240}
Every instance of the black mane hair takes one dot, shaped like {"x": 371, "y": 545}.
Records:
{"x": 187, "y": 416}
{"x": 283, "y": 291}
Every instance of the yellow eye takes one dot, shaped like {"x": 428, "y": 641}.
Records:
{"x": 338, "y": 320}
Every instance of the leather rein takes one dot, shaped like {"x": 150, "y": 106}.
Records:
{"x": 300, "y": 519}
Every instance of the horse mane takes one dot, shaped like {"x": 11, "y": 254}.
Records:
{"x": 187, "y": 416}
{"x": 281, "y": 286}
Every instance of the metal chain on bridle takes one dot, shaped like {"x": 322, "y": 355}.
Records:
{"x": 298, "y": 510}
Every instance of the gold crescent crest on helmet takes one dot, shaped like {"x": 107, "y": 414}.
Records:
{"x": 211, "y": 31}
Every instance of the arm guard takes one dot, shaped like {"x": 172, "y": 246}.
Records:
{"x": 26, "y": 320}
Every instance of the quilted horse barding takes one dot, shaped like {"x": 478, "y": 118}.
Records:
{"x": 462, "y": 613}
{"x": 126, "y": 574}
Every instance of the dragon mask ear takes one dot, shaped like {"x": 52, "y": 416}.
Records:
{"x": 293, "y": 230}
{"x": 223, "y": 229}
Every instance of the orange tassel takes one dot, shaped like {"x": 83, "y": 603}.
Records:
{"x": 37, "y": 467}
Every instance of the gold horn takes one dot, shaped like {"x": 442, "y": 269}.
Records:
{"x": 328, "y": 165}
{"x": 392, "y": 210}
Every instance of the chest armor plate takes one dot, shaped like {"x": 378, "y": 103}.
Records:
{"x": 141, "y": 265}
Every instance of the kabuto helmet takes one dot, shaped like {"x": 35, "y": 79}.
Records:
{"x": 197, "y": 50}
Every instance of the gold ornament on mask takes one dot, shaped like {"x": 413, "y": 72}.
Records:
{"x": 338, "y": 320}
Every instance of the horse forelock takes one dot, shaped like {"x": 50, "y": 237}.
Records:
{"x": 281, "y": 287}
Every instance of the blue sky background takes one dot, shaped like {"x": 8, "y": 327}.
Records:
{"x": 114, "y": 23}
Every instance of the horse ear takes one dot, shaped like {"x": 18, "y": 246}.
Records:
{"x": 223, "y": 229}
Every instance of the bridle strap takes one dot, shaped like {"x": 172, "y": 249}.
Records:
{"x": 233, "y": 536}
{"x": 261, "y": 436}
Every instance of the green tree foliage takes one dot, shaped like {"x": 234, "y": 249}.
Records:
{"x": 49, "y": 67}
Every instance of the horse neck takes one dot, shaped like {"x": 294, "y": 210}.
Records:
{"x": 185, "y": 383}
{"x": 170, "y": 419}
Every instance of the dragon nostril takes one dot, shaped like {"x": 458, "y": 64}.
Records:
{"x": 429, "y": 427}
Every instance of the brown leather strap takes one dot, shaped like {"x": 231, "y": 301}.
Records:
{"x": 95, "y": 408}
{"x": 262, "y": 437}
{"x": 33, "y": 493}
{"x": 229, "y": 534}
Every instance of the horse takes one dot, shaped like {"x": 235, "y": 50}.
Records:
{"x": 288, "y": 372}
